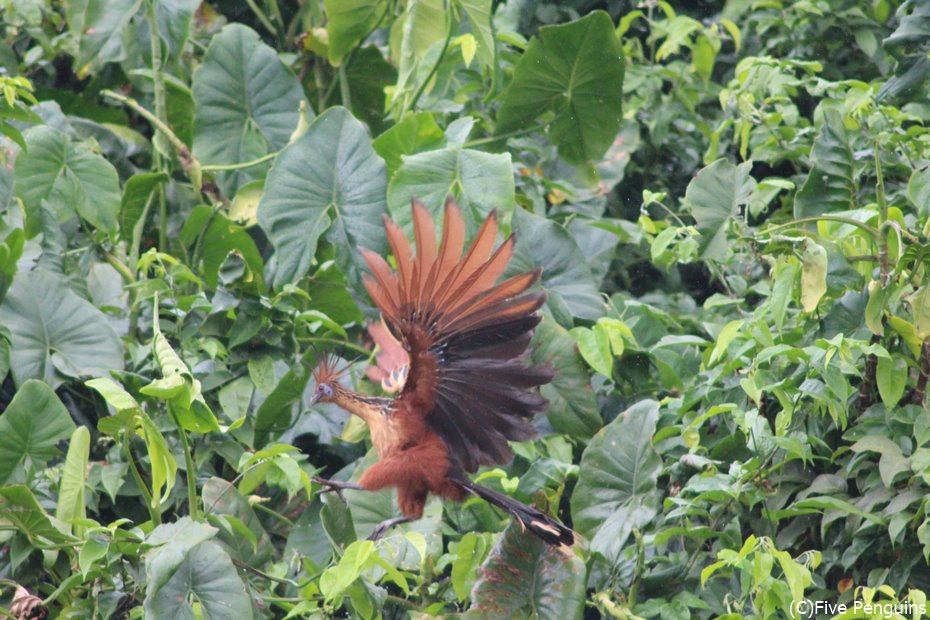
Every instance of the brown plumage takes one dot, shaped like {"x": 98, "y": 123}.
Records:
{"x": 453, "y": 343}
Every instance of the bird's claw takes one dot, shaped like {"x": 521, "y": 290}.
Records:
{"x": 378, "y": 532}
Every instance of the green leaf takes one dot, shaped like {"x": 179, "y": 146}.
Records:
{"x": 813, "y": 275}
{"x": 891, "y": 376}
{"x": 830, "y": 185}
{"x": 470, "y": 553}
{"x": 273, "y": 416}
{"x": 248, "y": 543}
{"x": 20, "y": 507}
{"x": 422, "y": 25}
{"x": 524, "y": 577}
{"x": 71, "y": 488}
{"x": 785, "y": 275}
{"x": 136, "y": 195}
{"x": 91, "y": 552}
{"x": 178, "y": 386}
{"x": 616, "y": 488}
{"x": 714, "y": 196}
{"x": 918, "y": 191}
{"x": 572, "y": 408}
{"x": 335, "y": 580}
{"x": 33, "y": 423}
{"x": 575, "y": 70}
{"x": 114, "y": 394}
{"x": 367, "y": 75}
{"x": 70, "y": 177}
{"x": 99, "y": 26}
{"x": 479, "y": 182}
{"x": 164, "y": 467}
{"x": 175, "y": 572}
{"x": 892, "y": 461}
{"x": 414, "y": 133}
{"x": 826, "y": 502}
{"x": 329, "y": 175}
{"x": 594, "y": 346}
{"x": 480, "y": 15}
{"x": 222, "y": 238}
{"x": 258, "y": 119}
{"x": 348, "y": 22}
{"x": 56, "y": 334}
{"x": 565, "y": 274}
{"x": 724, "y": 338}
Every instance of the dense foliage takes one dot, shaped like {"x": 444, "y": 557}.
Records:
{"x": 731, "y": 202}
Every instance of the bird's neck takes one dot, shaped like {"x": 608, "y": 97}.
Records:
{"x": 385, "y": 434}
{"x": 370, "y": 408}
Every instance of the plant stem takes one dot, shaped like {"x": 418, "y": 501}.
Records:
{"x": 154, "y": 512}
{"x": 871, "y": 230}
{"x": 274, "y": 513}
{"x": 239, "y": 166}
{"x": 193, "y": 508}
{"x": 882, "y": 218}
{"x": 348, "y": 345}
{"x": 161, "y": 115}
{"x": 504, "y": 136}
{"x": 344, "y": 88}
{"x": 450, "y": 29}
{"x": 262, "y": 18}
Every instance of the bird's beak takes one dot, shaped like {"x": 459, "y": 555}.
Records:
{"x": 315, "y": 398}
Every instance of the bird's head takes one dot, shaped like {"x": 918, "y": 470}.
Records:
{"x": 327, "y": 380}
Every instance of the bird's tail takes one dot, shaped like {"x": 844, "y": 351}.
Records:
{"x": 537, "y": 522}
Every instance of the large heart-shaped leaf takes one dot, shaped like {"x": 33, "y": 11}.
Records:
{"x": 566, "y": 276}
{"x": 572, "y": 405}
{"x": 714, "y": 196}
{"x": 616, "y": 488}
{"x": 830, "y": 186}
{"x": 331, "y": 174}
{"x": 33, "y": 423}
{"x": 576, "y": 70}
{"x": 70, "y": 176}
{"x": 480, "y": 182}
{"x": 524, "y": 577}
{"x": 98, "y": 26}
{"x": 191, "y": 564}
{"x": 56, "y": 334}
{"x": 247, "y": 104}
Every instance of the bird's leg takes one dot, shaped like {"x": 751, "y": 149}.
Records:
{"x": 336, "y": 486}
{"x": 387, "y": 524}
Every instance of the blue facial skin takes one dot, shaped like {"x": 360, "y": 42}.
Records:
{"x": 323, "y": 391}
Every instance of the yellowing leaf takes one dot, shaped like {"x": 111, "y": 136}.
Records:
{"x": 469, "y": 47}
{"x": 920, "y": 311}
{"x": 813, "y": 275}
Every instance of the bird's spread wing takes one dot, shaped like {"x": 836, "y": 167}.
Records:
{"x": 464, "y": 334}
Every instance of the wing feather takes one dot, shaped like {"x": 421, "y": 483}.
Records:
{"x": 464, "y": 335}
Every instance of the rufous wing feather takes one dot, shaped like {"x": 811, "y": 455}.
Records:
{"x": 450, "y": 326}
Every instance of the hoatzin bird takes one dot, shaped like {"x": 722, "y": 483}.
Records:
{"x": 452, "y": 344}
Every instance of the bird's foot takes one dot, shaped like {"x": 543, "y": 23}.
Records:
{"x": 335, "y": 486}
{"x": 385, "y": 525}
